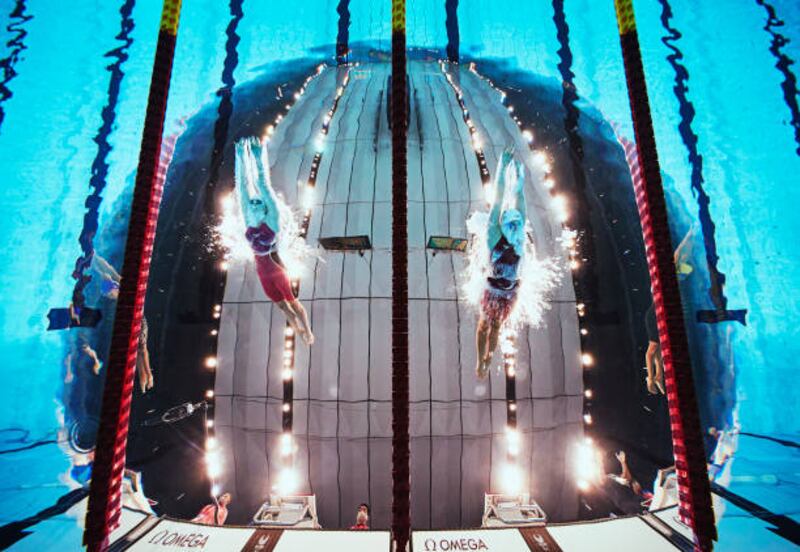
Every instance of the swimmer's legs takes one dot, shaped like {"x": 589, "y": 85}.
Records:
{"x": 291, "y": 318}
{"x": 494, "y": 335}
{"x": 481, "y": 335}
{"x": 143, "y": 370}
{"x": 302, "y": 317}
{"x": 297, "y": 318}
{"x": 650, "y": 361}
{"x": 659, "y": 375}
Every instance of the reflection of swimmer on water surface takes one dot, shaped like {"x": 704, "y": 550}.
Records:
{"x": 654, "y": 362}
{"x": 261, "y": 214}
{"x": 505, "y": 239}
{"x": 109, "y": 288}
{"x": 132, "y": 491}
{"x": 80, "y": 349}
{"x": 109, "y": 277}
{"x": 683, "y": 255}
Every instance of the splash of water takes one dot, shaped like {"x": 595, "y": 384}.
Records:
{"x": 539, "y": 276}
{"x": 230, "y": 231}
{"x": 229, "y": 235}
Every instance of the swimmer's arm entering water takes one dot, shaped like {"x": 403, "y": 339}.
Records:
{"x": 242, "y": 177}
{"x": 521, "y": 206}
{"x": 493, "y": 230}
{"x": 264, "y": 184}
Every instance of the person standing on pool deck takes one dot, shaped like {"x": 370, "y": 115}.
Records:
{"x": 506, "y": 242}
{"x": 260, "y": 211}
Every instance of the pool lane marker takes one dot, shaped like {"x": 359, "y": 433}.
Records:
{"x": 783, "y": 64}
{"x": 343, "y": 33}
{"x": 104, "y": 507}
{"x": 687, "y": 112}
{"x": 687, "y": 440}
{"x": 18, "y": 18}
{"x": 288, "y": 446}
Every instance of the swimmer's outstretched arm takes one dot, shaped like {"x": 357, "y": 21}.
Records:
{"x": 242, "y": 178}
{"x": 105, "y": 269}
{"x": 264, "y": 183}
{"x": 521, "y": 206}
{"x": 500, "y": 187}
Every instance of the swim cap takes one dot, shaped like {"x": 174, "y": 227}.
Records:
{"x": 511, "y": 215}
{"x": 508, "y": 217}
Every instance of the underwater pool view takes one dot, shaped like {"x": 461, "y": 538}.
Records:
{"x": 276, "y": 224}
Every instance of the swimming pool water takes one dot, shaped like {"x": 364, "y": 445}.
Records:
{"x": 73, "y": 103}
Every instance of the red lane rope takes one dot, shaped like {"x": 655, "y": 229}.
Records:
{"x": 105, "y": 491}
{"x": 401, "y": 477}
{"x": 690, "y": 459}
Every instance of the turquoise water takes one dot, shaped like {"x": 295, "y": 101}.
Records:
{"x": 53, "y": 115}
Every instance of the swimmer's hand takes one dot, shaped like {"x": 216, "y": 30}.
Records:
{"x": 74, "y": 315}
{"x": 519, "y": 166}
{"x": 507, "y": 156}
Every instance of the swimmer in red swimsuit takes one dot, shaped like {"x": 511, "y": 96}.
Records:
{"x": 506, "y": 242}
{"x": 260, "y": 210}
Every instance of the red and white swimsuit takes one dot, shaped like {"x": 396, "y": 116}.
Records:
{"x": 273, "y": 276}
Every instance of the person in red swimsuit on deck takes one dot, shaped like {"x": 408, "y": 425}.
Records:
{"x": 362, "y": 518}
{"x": 215, "y": 513}
{"x": 260, "y": 210}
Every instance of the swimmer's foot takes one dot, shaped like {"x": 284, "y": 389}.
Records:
{"x": 142, "y": 377}
{"x": 135, "y": 481}
{"x": 481, "y": 370}
{"x": 651, "y": 386}
{"x": 307, "y": 337}
{"x": 659, "y": 381}
{"x": 484, "y": 366}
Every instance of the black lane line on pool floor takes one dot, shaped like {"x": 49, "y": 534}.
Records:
{"x": 690, "y": 138}
{"x": 18, "y": 18}
{"x": 587, "y": 287}
{"x": 783, "y": 64}
{"x": 451, "y": 25}
{"x": 343, "y": 34}
{"x": 100, "y": 166}
{"x": 466, "y": 183}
